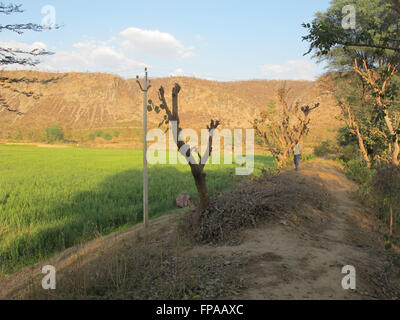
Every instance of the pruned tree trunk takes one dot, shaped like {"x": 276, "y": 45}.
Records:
{"x": 196, "y": 166}
{"x": 391, "y": 219}
{"x": 204, "y": 198}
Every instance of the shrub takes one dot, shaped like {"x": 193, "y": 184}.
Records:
{"x": 259, "y": 141}
{"x": 101, "y": 134}
{"x": 54, "y": 133}
{"x": 116, "y": 133}
{"x": 326, "y": 148}
{"x": 349, "y": 152}
{"x": 386, "y": 192}
{"x": 359, "y": 172}
{"x": 98, "y": 133}
{"x": 106, "y": 136}
{"x": 347, "y": 144}
{"x": 307, "y": 157}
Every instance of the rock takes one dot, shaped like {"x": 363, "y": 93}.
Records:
{"x": 284, "y": 223}
{"x": 183, "y": 201}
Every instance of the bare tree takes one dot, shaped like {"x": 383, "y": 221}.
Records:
{"x": 279, "y": 132}
{"x": 14, "y": 56}
{"x": 383, "y": 93}
{"x": 196, "y": 161}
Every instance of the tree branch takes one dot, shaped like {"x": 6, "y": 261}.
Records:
{"x": 10, "y": 8}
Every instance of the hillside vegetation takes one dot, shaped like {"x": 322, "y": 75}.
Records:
{"x": 82, "y": 102}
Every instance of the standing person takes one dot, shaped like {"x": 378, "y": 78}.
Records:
{"x": 297, "y": 154}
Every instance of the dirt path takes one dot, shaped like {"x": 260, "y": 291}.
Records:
{"x": 294, "y": 256}
{"x": 304, "y": 260}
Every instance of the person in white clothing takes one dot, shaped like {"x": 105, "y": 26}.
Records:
{"x": 297, "y": 154}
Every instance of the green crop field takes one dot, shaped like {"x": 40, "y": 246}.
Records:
{"x": 52, "y": 199}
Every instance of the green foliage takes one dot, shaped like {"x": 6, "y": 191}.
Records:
{"x": 349, "y": 88}
{"x": 157, "y": 109}
{"x": 258, "y": 140}
{"x": 101, "y": 134}
{"x": 52, "y": 199}
{"x": 54, "y": 133}
{"x": 379, "y": 188}
{"x": 349, "y": 153}
{"x": 98, "y": 133}
{"x": 326, "y": 148}
{"x": 374, "y": 41}
{"x": 386, "y": 189}
{"x": 116, "y": 133}
{"x": 347, "y": 143}
{"x": 358, "y": 172}
{"x": 307, "y": 157}
{"x": 374, "y": 37}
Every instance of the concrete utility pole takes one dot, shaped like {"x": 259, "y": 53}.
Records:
{"x": 145, "y": 89}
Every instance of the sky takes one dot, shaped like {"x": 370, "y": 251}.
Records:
{"x": 210, "y": 39}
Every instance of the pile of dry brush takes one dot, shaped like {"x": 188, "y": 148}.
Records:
{"x": 252, "y": 203}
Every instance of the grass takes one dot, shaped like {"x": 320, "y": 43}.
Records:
{"x": 53, "y": 199}
{"x": 147, "y": 272}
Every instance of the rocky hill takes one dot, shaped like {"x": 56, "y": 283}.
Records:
{"x": 80, "y": 102}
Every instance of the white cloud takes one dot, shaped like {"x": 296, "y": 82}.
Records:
{"x": 23, "y": 46}
{"x": 154, "y": 42}
{"x": 94, "y": 57}
{"x": 178, "y": 73}
{"x": 291, "y": 70}
{"x": 202, "y": 76}
{"x": 86, "y": 56}
{"x": 119, "y": 54}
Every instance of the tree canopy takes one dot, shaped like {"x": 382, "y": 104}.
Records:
{"x": 375, "y": 37}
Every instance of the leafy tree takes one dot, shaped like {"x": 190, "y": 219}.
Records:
{"x": 375, "y": 39}
{"x": 54, "y": 133}
{"x": 384, "y": 90}
{"x": 356, "y": 102}
{"x": 373, "y": 115}
{"x": 347, "y": 144}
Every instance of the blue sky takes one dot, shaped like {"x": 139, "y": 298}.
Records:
{"x": 220, "y": 40}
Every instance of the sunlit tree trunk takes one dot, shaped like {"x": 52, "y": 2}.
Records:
{"x": 196, "y": 165}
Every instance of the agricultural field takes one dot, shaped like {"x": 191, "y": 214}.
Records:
{"x": 52, "y": 199}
